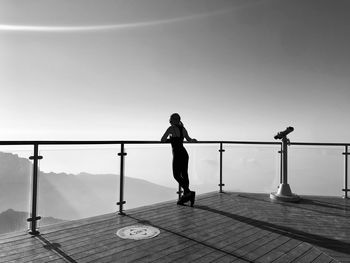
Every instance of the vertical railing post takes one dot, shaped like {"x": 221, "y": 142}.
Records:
{"x": 33, "y": 215}
{"x": 346, "y": 190}
{"x": 281, "y": 164}
{"x": 121, "y": 191}
{"x": 221, "y": 184}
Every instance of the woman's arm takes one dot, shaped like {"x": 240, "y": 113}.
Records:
{"x": 165, "y": 136}
{"x": 188, "y": 138}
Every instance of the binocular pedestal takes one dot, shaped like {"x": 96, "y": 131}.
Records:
{"x": 284, "y": 193}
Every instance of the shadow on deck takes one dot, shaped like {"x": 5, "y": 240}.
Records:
{"x": 229, "y": 227}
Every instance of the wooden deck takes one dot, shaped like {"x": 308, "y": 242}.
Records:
{"x": 229, "y": 227}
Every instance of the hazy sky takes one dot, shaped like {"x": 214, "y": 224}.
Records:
{"x": 234, "y": 70}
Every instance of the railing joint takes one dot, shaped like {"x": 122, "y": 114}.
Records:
{"x": 35, "y": 157}
{"x": 31, "y": 219}
{"x": 34, "y": 233}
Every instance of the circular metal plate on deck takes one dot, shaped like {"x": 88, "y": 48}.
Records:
{"x": 138, "y": 232}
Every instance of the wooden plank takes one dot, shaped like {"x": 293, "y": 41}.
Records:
{"x": 213, "y": 256}
{"x": 184, "y": 254}
{"x": 229, "y": 259}
{"x": 32, "y": 257}
{"x": 266, "y": 248}
{"x": 293, "y": 254}
{"x": 335, "y": 254}
{"x": 279, "y": 251}
{"x": 247, "y": 251}
{"x": 310, "y": 256}
{"x": 152, "y": 256}
{"x": 322, "y": 258}
{"x": 12, "y": 237}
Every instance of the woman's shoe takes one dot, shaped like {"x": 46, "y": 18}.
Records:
{"x": 185, "y": 198}
{"x": 192, "y": 198}
{"x": 182, "y": 200}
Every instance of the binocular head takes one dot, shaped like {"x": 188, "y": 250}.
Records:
{"x": 284, "y": 133}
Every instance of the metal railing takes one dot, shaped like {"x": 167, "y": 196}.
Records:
{"x": 345, "y": 153}
{"x": 33, "y": 214}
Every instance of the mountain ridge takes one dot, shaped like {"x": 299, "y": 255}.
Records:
{"x": 64, "y": 196}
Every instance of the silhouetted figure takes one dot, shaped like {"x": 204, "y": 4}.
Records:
{"x": 176, "y": 133}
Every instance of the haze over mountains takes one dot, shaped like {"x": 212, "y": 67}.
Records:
{"x": 67, "y": 196}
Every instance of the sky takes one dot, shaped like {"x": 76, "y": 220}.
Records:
{"x": 116, "y": 70}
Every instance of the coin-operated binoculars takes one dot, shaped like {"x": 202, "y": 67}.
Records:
{"x": 284, "y": 193}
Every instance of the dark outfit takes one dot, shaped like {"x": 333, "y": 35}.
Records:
{"x": 180, "y": 161}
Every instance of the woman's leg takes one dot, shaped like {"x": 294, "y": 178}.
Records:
{"x": 188, "y": 194}
{"x": 177, "y": 170}
{"x": 180, "y": 164}
{"x": 184, "y": 172}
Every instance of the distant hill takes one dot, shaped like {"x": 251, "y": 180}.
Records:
{"x": 72, "y": 196}
{"x": 11, "y": 220}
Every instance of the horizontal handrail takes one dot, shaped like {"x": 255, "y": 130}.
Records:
{"x": 319, "y": 144}
{"x": 63, "y": 142}
{"x": 125, "y": 142}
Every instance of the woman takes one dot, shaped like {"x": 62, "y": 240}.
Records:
{"x": 177, "y": 133}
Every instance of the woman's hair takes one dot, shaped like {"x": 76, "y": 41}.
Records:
{"x": 175, "y": 117}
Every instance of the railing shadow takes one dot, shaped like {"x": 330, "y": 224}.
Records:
{"x": 314, "y": 239}
{"x": 324, "y": 204}
{"x": 55, "y": 247}
{"x": 307, "y": 202}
